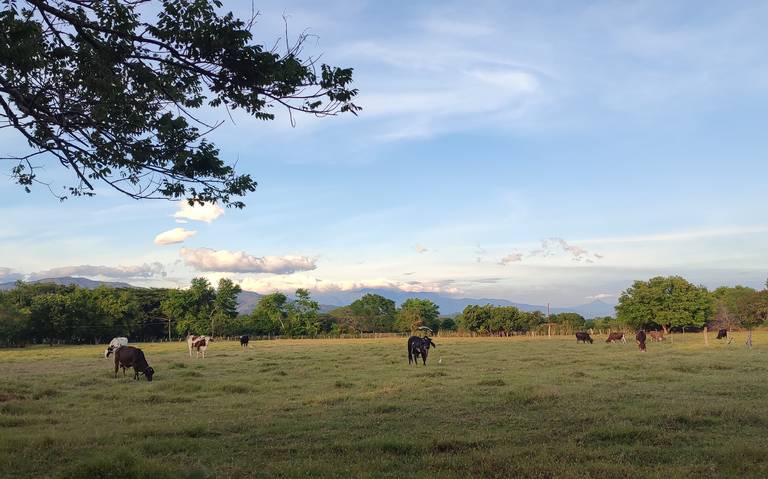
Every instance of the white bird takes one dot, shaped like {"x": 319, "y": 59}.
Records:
{"x": 440, "y": 361}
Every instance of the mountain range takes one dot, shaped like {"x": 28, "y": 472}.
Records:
{"x": 448, "y": 305}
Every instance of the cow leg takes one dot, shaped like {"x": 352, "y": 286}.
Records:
{"x": 116, "y": 368}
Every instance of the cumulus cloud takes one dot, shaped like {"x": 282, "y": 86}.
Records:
{"x": 207, "y": 212}
{"x": 266, "y": 285}
{"x": 511, "y": 258}
{"x": 7, "y": 275}
{"x": 176, "y": 235}
{"x": 421, "y": 249}
{"x": 143, "y": 271}
{"x": 206, "y": 259}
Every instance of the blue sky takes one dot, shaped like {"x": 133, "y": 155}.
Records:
{"x": 540, "y": 153}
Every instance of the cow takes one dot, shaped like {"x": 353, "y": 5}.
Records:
{"x": 583, "y": 336}
{"x": 656, "y": 335}
{"x": 114, "y": 344}
{"x": 198, "y": 343}
{"x": 130, "y": 357}
{"x": 722, "y": 334}
{"x": 640, "y": 338}
{"x": 613, "y": 337}
{"x": 244, "y": 341}
{"x": 419, "y": 346}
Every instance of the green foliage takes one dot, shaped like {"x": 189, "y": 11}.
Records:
{"x": 416, "y": 312}
{"x": 499, "y": 320}
{"x": 568, "y": 323}
{"x": 665, "y": 301}
{"x": 373, "y": 313}
{"x": 448, "y": 324}
{"x": 110, "y": 91}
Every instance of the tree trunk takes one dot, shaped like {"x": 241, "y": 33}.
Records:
{"x": 706, "y": 336}
{"x": 749, "y": 338}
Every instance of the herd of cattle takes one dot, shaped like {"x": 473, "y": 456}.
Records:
{"x": 418, "y": 347}
{"x": 640, "y": 337}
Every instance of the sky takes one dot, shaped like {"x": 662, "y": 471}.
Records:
{"x": 540, "y": 152}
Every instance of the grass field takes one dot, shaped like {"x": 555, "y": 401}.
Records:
{"x": 494, "y": 407}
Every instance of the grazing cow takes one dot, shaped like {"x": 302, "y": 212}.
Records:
{"x": 583, "y": 336}
{"x": 640, "y": 338}
{"x": 418, "y": 346}
{"x": 722, "y": 334}
{"x": 656, "y": 335}
{"x": 244, "y": 341}
{"x": 613, "y": 337}
{"x": 114, "y": 344}
{"x": 130, "y": 357}
{"x": 198, "y": 343}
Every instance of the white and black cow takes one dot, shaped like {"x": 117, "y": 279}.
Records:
{"x": 114, "y": 344}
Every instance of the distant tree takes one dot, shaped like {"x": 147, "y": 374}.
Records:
{"x": 666, "y": 301}
{"x": 448, "y": 324}
{"x": 753, "y": 311}
{"x": 568, "y": 323}
{"x": 415, "y": 312}
{"x": 373, "y": 313}
{"x": 224, "y": 309}
{"x": 343, "y": 321}
{"x": 110, "y": 89}
{"x": 271, "y": 314}
{"x": 303, "y": 314}
{"x": 14, "y": 324}
{"x": 730, "y": 305}
{"x": 476, "y": 318}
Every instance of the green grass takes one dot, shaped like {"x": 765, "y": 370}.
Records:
{"x": 494, "y": 407}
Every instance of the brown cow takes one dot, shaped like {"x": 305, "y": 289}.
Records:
{"x": 640, "y": 338}
{"x": 198, "y": 343}
{"x": 613, "y": 337}
{"x": 722, "y": 334}
{"x": 130, "y": 357}
{"x": 656, "y": 335}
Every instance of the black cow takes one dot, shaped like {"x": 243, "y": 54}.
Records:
{"x": 722, "y": 334}
{"x": 418, "y": 346}
{"x": 640, "y": 337}
{"x": 244, "y": 341}
{"x": 583, "y": 337}
{"x": 130, "y": 357}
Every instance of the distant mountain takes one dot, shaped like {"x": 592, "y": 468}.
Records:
{"x": 449, "y": 305}
{"x": 68, "y": 280}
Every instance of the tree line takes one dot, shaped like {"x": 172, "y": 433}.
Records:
{"x": 43, "y": 313}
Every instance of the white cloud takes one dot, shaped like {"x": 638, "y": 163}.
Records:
{"x": 176, "y": 235}
{"x": 421, "y": 249}
{"x": 206, "y": 259}
{"x": 146, "y": 270}
{"x": 207, "y": 212}
{"x": 7, "y": 275}
{"x": 558, "y": 246}
{"x": 600, "y": 296}
{"x": 511, "y": 258}
{"x": 291, "y": 283}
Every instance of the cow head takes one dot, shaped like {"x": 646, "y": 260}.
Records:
{"x": 149, "y": 372}
{"x": 109, "y": 351}
{"x": 427, "y": 341}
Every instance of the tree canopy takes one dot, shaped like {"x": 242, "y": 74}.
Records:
{"x": 112, "y": 96}
{"x": 665, "y": 301}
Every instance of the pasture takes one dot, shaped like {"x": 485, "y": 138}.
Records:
{"x": 494, "y": 407}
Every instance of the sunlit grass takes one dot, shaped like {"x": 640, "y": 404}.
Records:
{"x": 494, "y": 407}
